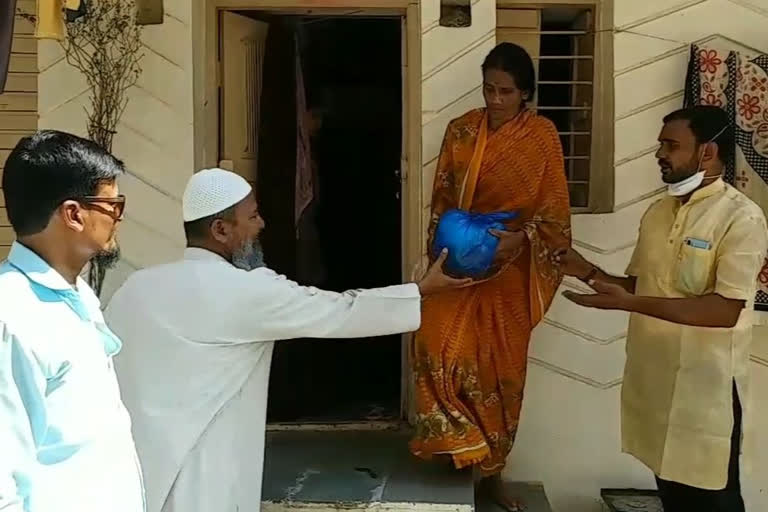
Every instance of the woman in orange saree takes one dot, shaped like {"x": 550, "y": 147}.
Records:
{"x": 469, "y": 357}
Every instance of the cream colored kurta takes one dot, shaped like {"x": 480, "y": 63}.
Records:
{"x": 197, "y": 346}
{"x": 677, "y": 414}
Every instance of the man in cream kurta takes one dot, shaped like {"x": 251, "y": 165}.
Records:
{"x": 198, "y": 337}
{"x": 690, "y": 288}
{"x": 684, "y": 434}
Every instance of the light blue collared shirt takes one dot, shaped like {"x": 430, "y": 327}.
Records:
{"x": 65, "y": 436}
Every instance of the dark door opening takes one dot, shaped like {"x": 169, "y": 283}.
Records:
{"x": 349, "y": 235}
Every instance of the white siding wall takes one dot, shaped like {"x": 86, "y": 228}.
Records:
{"x": 154, "y": 137}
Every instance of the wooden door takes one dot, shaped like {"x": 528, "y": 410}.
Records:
{"x": 242, "y": 56}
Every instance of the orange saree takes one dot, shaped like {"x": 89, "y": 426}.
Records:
{"x": 469, "y": 357}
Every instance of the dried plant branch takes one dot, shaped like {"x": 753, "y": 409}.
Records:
{"x": 105, "y": 46}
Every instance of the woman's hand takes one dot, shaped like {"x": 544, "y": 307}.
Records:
{"x": 510, "y": 244}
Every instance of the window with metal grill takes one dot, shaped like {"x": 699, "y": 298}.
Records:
{"x": 562, "y": 40}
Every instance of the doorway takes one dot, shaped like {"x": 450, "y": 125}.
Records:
{"x": 322, "y": 141}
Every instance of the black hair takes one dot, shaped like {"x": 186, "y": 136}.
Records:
{"x": 199, "y": 229}
{"x": 706, "y": 121}
{"x": 515, "y": 61}
{"x": 47, "y": 168}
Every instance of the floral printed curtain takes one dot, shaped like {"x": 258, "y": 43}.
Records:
{"x": 738, "y": 83}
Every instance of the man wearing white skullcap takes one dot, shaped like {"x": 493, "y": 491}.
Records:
{"x": 198, "y": 337}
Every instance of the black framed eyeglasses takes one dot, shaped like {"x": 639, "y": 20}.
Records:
{"x": 118, "y": 205}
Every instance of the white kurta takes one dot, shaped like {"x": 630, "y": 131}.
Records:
{"x": 198, "y": 337}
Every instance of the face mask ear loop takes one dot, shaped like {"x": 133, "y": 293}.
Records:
{"x": 704, "y": 152}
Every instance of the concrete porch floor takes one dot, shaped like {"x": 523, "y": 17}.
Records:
{"x": 361, "y": 470}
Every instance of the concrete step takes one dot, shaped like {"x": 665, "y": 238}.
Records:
{"x": 331, "y": 470}
{"x": 631, "y": 500}
{"x": 531, "y": 496}
{"x": 357, "y": 470}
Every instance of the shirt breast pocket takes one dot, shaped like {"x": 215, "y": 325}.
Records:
{"x": 694, "y": 268}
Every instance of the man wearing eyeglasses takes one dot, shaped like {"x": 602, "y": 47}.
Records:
{"x": 65, "y": 436}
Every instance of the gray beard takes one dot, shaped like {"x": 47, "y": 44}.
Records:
{"x": 250, "y": 256}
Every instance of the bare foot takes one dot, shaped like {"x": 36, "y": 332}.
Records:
{"x": 493, "y": 490}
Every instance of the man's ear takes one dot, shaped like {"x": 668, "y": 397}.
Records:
{"x": 220, "y": 230}
{"x": 71, "y": 214}
{"x": 711, "y": 152}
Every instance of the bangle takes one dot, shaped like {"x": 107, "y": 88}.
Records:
{"x": 591, "y": 275}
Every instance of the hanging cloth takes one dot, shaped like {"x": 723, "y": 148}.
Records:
{"x": 304, "y": 182}
{"x": 738, "y": 83}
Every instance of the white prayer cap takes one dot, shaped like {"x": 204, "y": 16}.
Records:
{"x": 212, "y": 191}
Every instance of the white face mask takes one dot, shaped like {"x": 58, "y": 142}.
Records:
{"x": 688, "y": 185}
{"x": 691, "y": 183}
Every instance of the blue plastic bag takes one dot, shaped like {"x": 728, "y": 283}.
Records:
{"x": 471, "y": 247}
